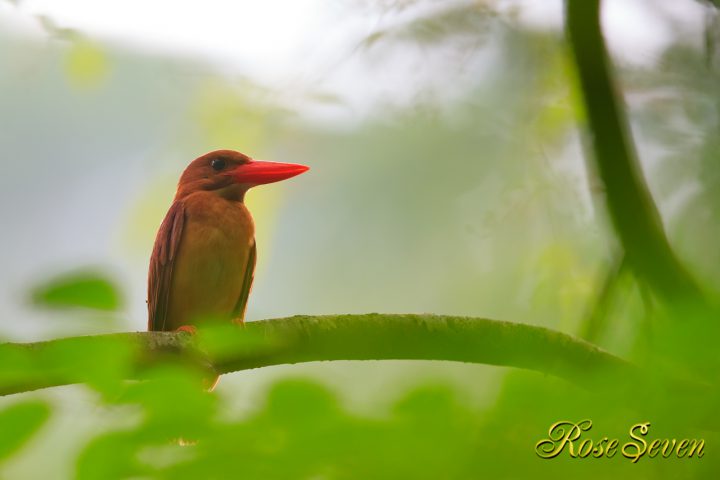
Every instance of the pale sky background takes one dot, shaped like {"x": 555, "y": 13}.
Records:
{"x": 300, "y": 44}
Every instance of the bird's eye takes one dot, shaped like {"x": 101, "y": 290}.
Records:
{"x": 218, "y": 164}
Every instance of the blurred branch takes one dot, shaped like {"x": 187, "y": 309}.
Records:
{"x": 711, "y": 34}
{"x": 630, "y": 205}
{"x": 54, "y": 30}
{"x": 363, "y": 337}
{"x": 431, "y": 28}
{"x": 596, "y": 318}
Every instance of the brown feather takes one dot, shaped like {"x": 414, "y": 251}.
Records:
{"x": 167, "y": 244}
{"x": 241, "y": 306}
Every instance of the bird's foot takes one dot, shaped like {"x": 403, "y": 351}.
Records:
{"x": 191, "y": 329}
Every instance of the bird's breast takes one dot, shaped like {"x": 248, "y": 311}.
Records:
{"x": 211, "y": 261}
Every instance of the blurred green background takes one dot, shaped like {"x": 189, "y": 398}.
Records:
{"x": 447, "y": 176}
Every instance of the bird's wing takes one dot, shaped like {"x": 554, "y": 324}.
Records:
{"x": 162, "y": 262}
{"x": 239, "y": 312}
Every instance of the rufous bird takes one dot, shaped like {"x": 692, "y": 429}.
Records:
{"x": 203, "y": 261}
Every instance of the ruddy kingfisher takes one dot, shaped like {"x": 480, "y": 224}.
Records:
{"x": 202, "y": 265}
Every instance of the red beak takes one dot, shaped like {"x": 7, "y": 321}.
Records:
{"x": 257, "y": 172}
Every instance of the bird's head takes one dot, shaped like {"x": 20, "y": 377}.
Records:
{"x": 230, "y": 174}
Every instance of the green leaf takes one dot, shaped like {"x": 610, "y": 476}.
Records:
{"x": 84, "y": 289}
{"x": 100, "y": 362}
{"x": 19, "y": 422}
{"x": 175, "y": 401}
{"x": 109, "y": 456}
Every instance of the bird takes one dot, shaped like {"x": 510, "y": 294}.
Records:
{"x": 203, "y": 260}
